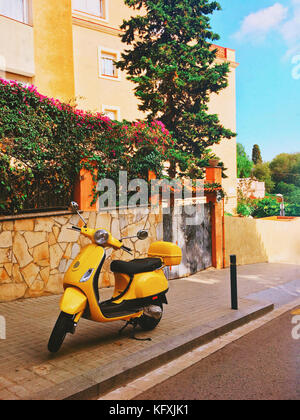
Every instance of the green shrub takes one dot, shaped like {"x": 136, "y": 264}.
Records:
{"x": 270, "y": 207}
{"x": 266, "y": 207}
{"x": 244, "y": 209}
{"x": 44, "y": 143}
{"x": 292, "y": 209}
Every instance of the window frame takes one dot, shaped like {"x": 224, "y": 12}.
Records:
{"x": 89, "y": 16}
{"x": 102, "y": 51}
{"x": 26, "y": 13}
{"x": 111, "y": 108}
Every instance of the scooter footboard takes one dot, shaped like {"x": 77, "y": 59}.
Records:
{"x": 73, "y": 301}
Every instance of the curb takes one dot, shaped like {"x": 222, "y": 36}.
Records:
{"x": 169, "y": 370}
{"x": 100, "y": 381}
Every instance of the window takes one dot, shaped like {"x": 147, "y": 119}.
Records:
{"x": 14, "y": 9}
{"x": 112, "y": 112}
{"x": 91, "y": 7}
{"x": 107, "y": 67}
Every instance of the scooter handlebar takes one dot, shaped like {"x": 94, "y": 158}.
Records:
{"x": 76, "y": 228}
{"x": 125, "y": 248}
{"x": 111, "y": 241}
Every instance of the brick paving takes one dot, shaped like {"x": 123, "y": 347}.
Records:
{"x": 96, "y": 353}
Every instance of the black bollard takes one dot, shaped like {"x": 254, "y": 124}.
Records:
{"x": 233, "y": 279}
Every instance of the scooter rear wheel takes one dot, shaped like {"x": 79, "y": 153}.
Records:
{"x": 148, "y": 323}
{"x": 64, "y": 325}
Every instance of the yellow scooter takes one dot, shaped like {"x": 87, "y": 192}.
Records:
{"x": 140, "y": 285}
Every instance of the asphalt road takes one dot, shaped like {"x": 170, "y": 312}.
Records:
{"x": 263, "y": 365}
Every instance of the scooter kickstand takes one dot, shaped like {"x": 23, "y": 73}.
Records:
{"x": 125, "y": 326}
{"x": 134, "y": 324}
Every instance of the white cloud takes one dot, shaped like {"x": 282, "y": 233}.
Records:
{"x": 283, "y": 21}
{"x": 257, "y": 25}
{"x": 290, "y": 30}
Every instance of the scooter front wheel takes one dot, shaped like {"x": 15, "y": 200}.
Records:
{"x": 64, "y": 325}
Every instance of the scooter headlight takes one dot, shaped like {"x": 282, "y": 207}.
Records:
{"x": 101, "y": 237}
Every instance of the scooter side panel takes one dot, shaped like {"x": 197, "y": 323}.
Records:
{"x": 145, "y": 285}
{"x": 150, "y": 284}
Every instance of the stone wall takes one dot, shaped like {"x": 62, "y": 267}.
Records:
{"x": 252, "y": 188}
{"x": 36, "y": 252}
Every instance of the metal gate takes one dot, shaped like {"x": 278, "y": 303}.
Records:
{"x": 193, "y": 235}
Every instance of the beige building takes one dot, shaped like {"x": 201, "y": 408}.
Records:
{"x": 67, "y": 49}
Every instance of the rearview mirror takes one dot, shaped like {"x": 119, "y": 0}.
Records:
{"x": 75, "y": 206}
{"x": 142, "y": 234}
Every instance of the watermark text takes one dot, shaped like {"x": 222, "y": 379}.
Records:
{"x": 2, "y": 328}
{"x": 296, "y": 322}
{"x": 296, "y": 68}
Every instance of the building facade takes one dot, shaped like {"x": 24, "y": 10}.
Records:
{"x": 67, "y": 49}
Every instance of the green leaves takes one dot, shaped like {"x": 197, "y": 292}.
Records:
{"x": 44, "y": 143}
{"x": 244, "y": 164}
{"x": 173, "y": 65}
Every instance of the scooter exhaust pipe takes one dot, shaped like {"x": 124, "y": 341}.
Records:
{"x": 153, "y": 311}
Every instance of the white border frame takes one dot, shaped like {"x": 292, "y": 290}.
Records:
{"x": 109, "y": 51}
{"x": 116, "y": 109}
{"x": 92, "y": 18}
{"x": 25, "y": 13}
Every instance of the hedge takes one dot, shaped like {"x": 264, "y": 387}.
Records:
{"x": 45, "y": 142}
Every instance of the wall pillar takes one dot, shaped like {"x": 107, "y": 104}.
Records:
{"x": 53, "y": 48}
{"x": 214, "y": 175}
{"x": 84, "y": 190}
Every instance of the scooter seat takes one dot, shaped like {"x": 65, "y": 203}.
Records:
{"x": 136, "y": 266}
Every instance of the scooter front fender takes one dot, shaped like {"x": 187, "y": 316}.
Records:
{"x": 73, "y": 301}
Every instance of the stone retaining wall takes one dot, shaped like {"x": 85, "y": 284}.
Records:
{"x": 36, "y": 252}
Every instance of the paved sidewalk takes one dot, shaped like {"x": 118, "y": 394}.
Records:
{"x": 158, "y": 380}
{"x": 95, "y": 359}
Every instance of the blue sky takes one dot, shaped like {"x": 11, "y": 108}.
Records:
{"x": 266, "y": 37}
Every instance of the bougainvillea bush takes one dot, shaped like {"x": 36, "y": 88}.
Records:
{"x": 44, "y": 143}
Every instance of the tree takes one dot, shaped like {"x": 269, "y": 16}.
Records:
{"x": 244, "y": 164}
{"x": 262, "y": 172}
{"x": 172, "y": 62}
{"x": 286, "y": 168}
{"x": 256, "y": 155}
